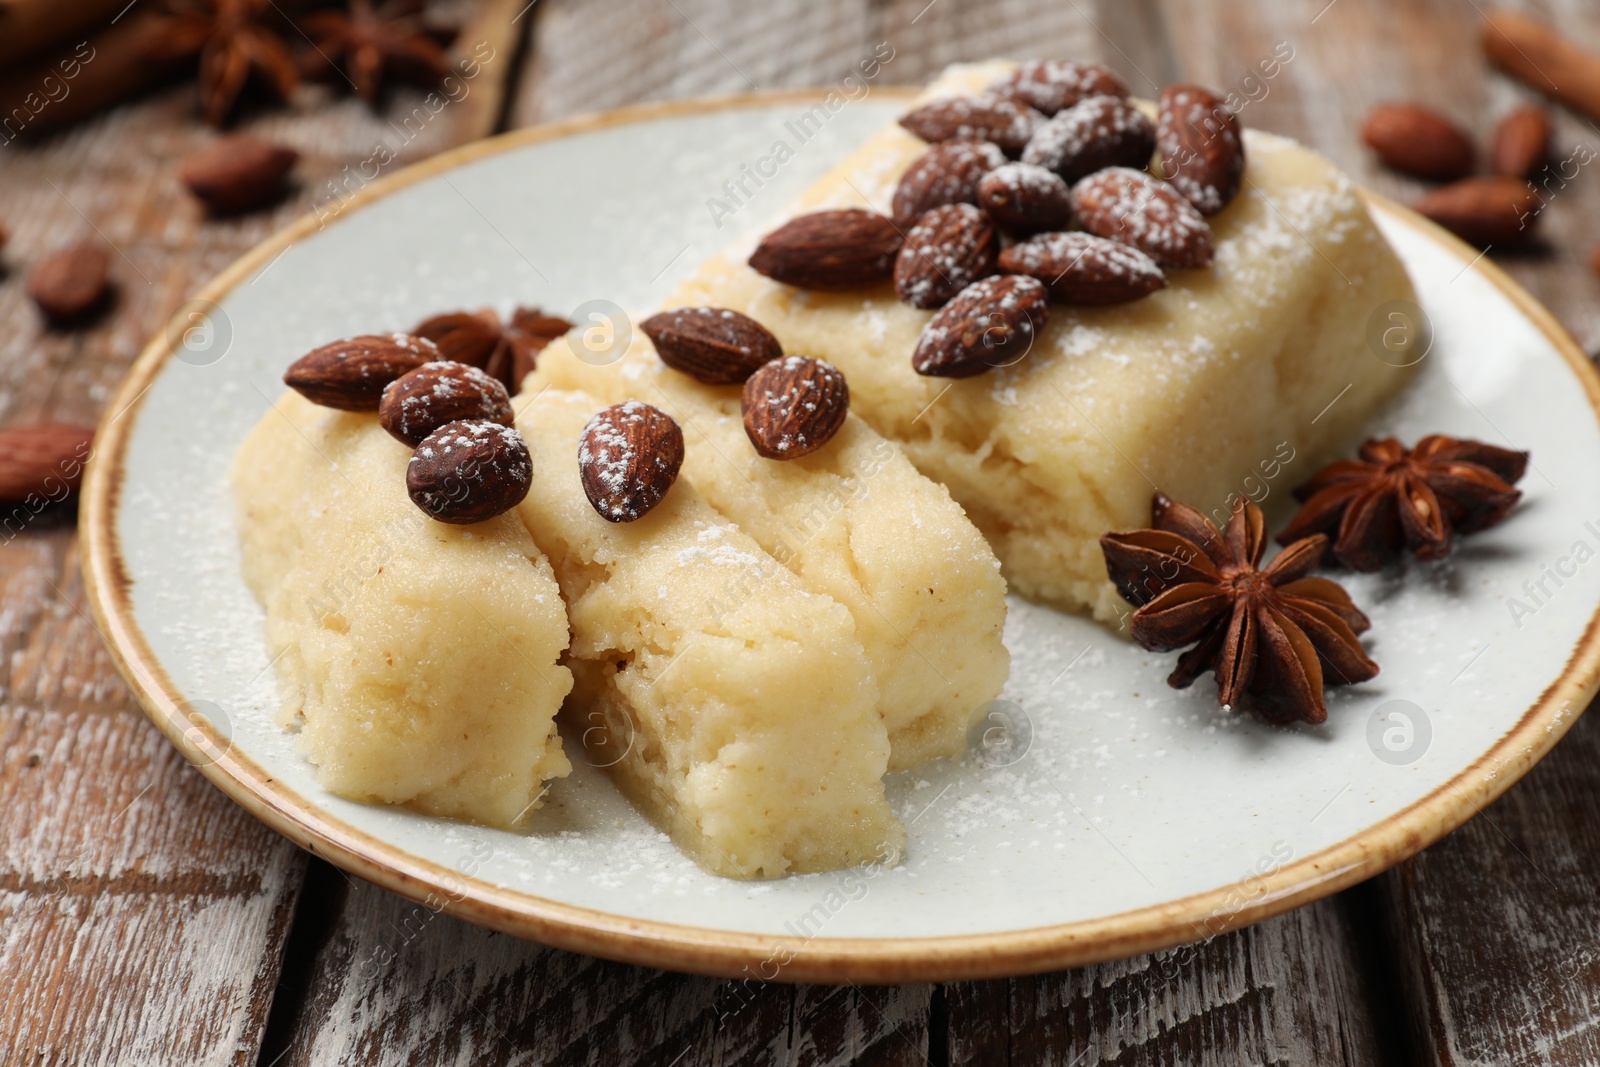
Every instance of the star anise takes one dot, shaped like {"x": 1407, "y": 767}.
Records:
{"x": 506, "y": 352}
{"x": 1393, "y": 499}
{"x": 367, "y": 44}
{"x": 233, "y": 40}
{"x": 1273, "y": 632}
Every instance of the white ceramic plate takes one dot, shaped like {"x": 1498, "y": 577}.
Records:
{"x": 1107, "y": 815}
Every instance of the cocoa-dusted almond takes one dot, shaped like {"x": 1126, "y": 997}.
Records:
{"x": 1001, "y": 120}
{"x": 717, "y": 346}
{"x": 947, "y": 173}
{"x": 1026, "y": 198}
{"x": 72, "y": 281}
{"x": 1202, "y": 153}
{"x": 469, "y": 471}
{"x": 1095, "y": 133}
{"x": 1419, "y": 141}
{"x": 422, "y": 400}
{"x": 844, "y": 249}
{"x": 237, "y": 173}
{"x": 42, "y": 460}
{"x": 947, "y": 250}
{"x": 1132, "y": 207}
{"x": 1052, "y": 85}
{"x": 628, "y": 457}
{"x": 989, "y": 324}
{"x": 351, "y": 374}
{"x": 1521, "y": 145}
{"x": 793, "y": 406}
{"x": 1495, "y": 210}
{"x": 1080, "y": 268}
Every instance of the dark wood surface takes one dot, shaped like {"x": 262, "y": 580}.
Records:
{"x": 144, "y": 919}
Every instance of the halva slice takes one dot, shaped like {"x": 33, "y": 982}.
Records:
{"x": 747, "y": 729}
{"x": 1236, "y": 380}
{"x": 419, "y": 660}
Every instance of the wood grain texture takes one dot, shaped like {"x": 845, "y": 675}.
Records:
{"x": 143, "y": 916}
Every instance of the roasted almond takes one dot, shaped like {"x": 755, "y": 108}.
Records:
{"x": 237, "y": 173}
{"x": 947, "y": 250}
{"x": 628, "y": 457}
{"x": 422, "y": 400}
{"x": 1025, "y": 198}
{"x": 1132, "y": 207}
{"x": 1419, "y": 141}
{"x": 712, "y": 345}
{"x": 793, "y": 406}
{"x": 469, "y": 470}
{"x": 1521, "y": 144}
{"x": 351, "y": 374}
{"x": 1202, "y": 154}
{"x": 43, "y": 461}
{"x": 1496, "y": 210}
{"x": 989, "y": 324}
{"x": 843, "y": 249}
{"x": 1095, "y": 133}
{"x": 1080, "y": 268}
{"x": 71, "y": 282}
{"x": 1052, "y": 85}
{"x": 1001, "y": 120}
{"x": 947, "y": 173}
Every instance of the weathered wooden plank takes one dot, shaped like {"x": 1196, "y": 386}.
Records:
{"x": 143, "y": 916}
{"x": 1492, "y": 929}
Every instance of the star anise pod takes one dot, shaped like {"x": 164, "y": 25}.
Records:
{"x": 233, "y": 40}
{"x": 1273, "y": 632}
{"x": 367, "y": 44}
{"x": 505, "y": 351}
{"x": 1393, "y": 499}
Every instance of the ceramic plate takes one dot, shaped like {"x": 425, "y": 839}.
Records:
{"x": 1097, "y": 814}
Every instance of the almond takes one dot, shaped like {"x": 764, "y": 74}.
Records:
{"x": 1132, "y": 207}
{"x": 1095, "y": 133}
{"x": 469, "y": 471}
{"x": 1418, "y": 141}
{"x": 974, "y": 118}
{"x": 1521, "y": 144}
{"x": 844, "y": 249}
{"x": 422, "y": 400}
{"x": 947, "y": 250}
{"x": 1025, "y": 198}
{"x": 793, "y": 406}
{"x": 1080, "y": 268}
{"x": 237, "y": 173}
{"x": 711, "y": 345}
{"x": 1202, "y": 154}
{"x": 71, "y": 282}
{"x": 43, "y": 460}
{"x": 628, "y": 457}
{"x": 351, "y": 374}
{"x": 1483, "y": 211}
{"x": 989, "y": 324}
{"x": 945, "y": 174}
{"x": 1052, "y": 85}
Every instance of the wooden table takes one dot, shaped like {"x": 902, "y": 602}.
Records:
{"x": 144, "y": 919}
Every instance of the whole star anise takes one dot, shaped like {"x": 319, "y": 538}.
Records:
{"x": 367, "y": 44}
{"x": 504, "y": 351}
{"x": 1393, "y": 499}
{"x": 1273, "y": 632}
{"x": 233, "y": 40}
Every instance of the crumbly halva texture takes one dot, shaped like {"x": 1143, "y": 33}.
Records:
{"x": 1233, "y": 376}
{"x": 744, "y": 725}
{"x": 420, "y": 661}
{"x": 854, "y": 521}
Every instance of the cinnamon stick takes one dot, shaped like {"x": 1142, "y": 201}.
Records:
{"x": 1544, "y": 60}
{"x": 28, "y": 27}
{"x": 78, "y": 80}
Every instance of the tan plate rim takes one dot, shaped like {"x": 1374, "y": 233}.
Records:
{"x": 718, "y": 952}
